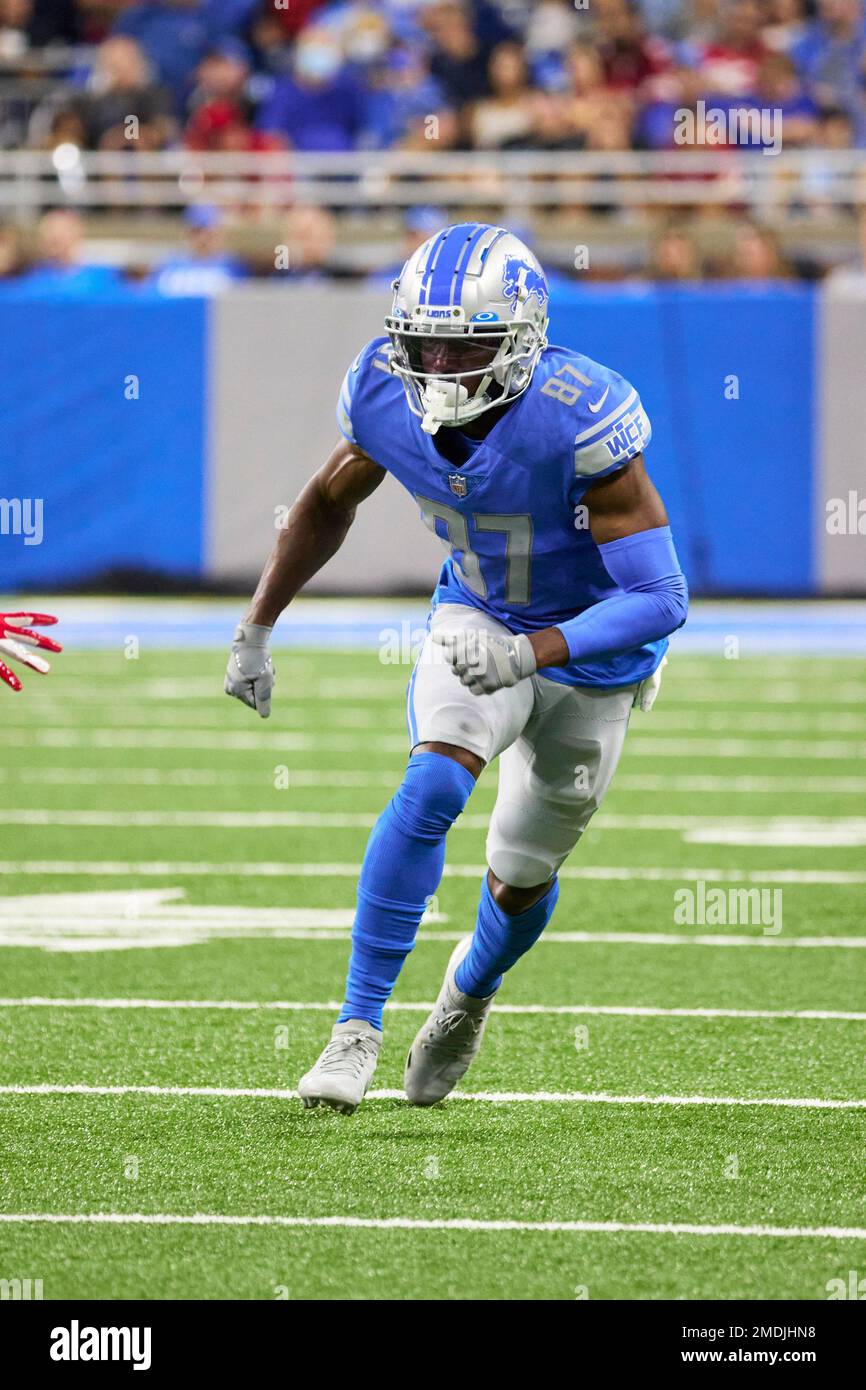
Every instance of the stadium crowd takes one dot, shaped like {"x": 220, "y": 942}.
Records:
{"x": 489, "y": 75}
{"x": 499, "y": 74}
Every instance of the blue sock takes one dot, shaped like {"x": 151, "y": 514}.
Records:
{"x": 500, "y": 939}
{"x": 402, "y": 867}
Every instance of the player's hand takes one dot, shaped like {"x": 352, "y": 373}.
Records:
{"x": 250, "y": 674}
{"x": 487, "y": 661}
{"x": 16, "y": 635}
{"x": 645, "y": 695}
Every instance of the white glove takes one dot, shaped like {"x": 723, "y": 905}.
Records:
{"x": 645, "y": 695}
{"x": 250, "y": 674}
{"x": 487, "y": 661}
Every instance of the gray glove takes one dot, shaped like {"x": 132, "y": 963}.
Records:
{"x": 250, "y": 673}
{"x": 487, "y": 661}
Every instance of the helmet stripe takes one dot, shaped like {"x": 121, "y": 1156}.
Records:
{"x": 430, "y": 265}
{"x": 500, "y": 232}
{"x": 441, "y": 286}
{"x": 480, "y": 231}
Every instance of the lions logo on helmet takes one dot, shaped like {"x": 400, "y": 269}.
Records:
{"x": 523, "y": 279}
{"x": 468, "y": 323}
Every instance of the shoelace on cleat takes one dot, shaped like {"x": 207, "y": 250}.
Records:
{"x": 444, "y": 1031}
{"x": 347, "y": 1053}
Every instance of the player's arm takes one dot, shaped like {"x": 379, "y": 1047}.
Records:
{"x": 629, "y": 524}
{"x": 315, "y": 528}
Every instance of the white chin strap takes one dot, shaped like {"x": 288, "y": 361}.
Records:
{"x": 442, "y": 401}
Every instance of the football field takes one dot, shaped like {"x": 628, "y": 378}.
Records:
{"x": 670, "y": 1101}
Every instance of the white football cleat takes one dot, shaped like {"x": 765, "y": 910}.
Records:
{"x": 345, "y": 1069}
{"x": 448, "y": 1041}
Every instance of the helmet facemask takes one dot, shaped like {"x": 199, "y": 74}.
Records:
{"x": 453, "y": 394}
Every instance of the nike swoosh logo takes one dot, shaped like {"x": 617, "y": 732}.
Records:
{"x": 594, "y": 409}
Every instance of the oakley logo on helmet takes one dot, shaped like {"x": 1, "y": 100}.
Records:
{"x": 519, "y": 276}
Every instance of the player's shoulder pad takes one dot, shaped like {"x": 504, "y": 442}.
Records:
{"x": 609, "y": 424}
{"x": 372, "y": 362}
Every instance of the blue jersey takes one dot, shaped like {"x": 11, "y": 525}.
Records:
{"x": 510, "y": 511}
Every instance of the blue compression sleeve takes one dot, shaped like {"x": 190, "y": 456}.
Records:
{"x": 654, "y": 601}
{"x": 402, "y": 867}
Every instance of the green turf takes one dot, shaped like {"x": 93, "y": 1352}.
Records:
{"x": 106, "y": 734}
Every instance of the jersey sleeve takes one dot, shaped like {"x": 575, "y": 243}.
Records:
{"x": 356, "y": 389}
{"x": 613, "y": 428}
{"x": 344, "y": 403}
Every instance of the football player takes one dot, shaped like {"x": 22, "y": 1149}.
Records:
{"x": 15, "y": 640}
{"x": 549, "y": 621}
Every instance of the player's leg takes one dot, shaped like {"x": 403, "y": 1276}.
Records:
{"x": 551, "y": 781}
{"x": 453, "y": 734}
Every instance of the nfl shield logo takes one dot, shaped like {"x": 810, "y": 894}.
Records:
{"x": 458, "y": 484}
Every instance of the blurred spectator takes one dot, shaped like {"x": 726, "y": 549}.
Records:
{"x": 402, "y": 94}
{"x": 786, "y": 24}
{"x": 59, "y": 267}
{"x": 832, "y": 58}
{"x": 206, "y": 269}
{"x": 319, "y": 106}
{"x": 290, "y": 19}
{"x": 365, "y": 35}
{"x": 836, "y": 132}
{"x": 675, "y": 256}
{"x": 851, "y": 277}
{"x": 505, "y": 119}
{"x": 629, "y": 58}
{"x": 14, "y": 28}
{"x": 553, "y": 26}
{"x": 174, "y": 35}
{"x": 586, "y": 104}
{"x": 459, "y": 59}
{"x": 310, "y": 238}
{"x": 728, "y": 64}
{"x": 779, "y": 88}
{"x": 418, "y": 225}
{"x": 221, "y": 109}
{"x": 120, "y": 87}
{"x": 11, "y": 251}
{"x": 756, "y": 255}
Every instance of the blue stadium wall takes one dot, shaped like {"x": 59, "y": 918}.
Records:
{"x": 164, "y": 435}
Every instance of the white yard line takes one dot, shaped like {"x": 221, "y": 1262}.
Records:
{"x": 404, "y": 1223}
{"x": 646, "y": 745}
{"x": 314, "y": 777}
{"x": 682, "y": 687}
{"x": 263, "y": 868}
{"x": 325, "y": 715}
{"x": 14, "y": 937}
{"x": 37, "y": 1001}
{"x": 491, "y": 1097}
{"x": 851, "y": 827}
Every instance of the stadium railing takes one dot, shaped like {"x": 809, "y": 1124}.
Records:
{"x": 172, "y": 179}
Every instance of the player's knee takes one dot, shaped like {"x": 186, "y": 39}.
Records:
{"x": 512, "y": 899}
{"x": 515, "y": 871}
{"x": 434, "y": 790}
